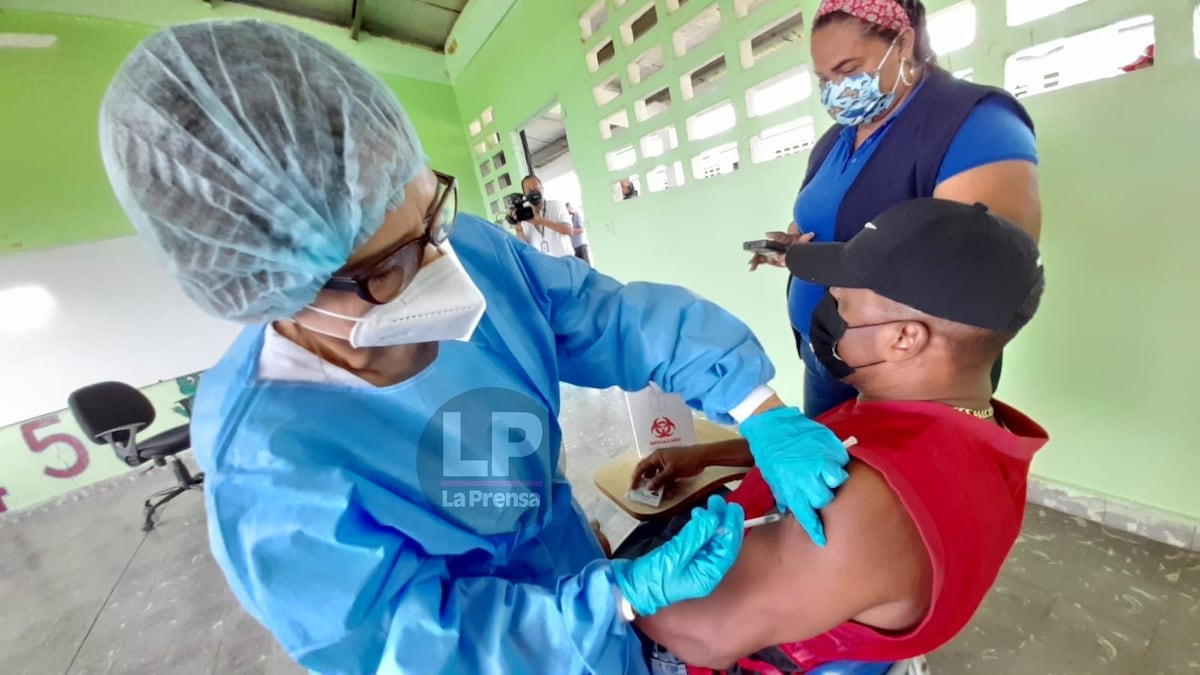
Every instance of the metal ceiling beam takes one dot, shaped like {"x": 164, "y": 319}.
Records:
{"x": 550, "y": 152}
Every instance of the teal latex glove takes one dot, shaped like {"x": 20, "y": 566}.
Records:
{"x": 801, "y": 461}
{"x": 688, "y": 566}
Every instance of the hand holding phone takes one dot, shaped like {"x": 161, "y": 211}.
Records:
{"x": 771, "y": 251}
{"x": 765, "y": 247}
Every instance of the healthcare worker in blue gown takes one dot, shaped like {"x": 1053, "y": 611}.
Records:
{"x": 380, "y": 443}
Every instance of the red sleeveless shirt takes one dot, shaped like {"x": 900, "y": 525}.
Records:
{"x": 961, "y": 479}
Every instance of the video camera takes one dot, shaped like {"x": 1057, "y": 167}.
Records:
{"x": 520, "y": 207}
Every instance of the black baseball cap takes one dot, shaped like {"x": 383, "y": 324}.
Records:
{"x": 951, "y": 260}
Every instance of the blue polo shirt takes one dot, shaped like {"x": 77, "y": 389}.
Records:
{"x": 992, "y": 132}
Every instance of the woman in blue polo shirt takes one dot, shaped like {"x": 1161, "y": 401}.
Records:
{"x": 905, "y": 128}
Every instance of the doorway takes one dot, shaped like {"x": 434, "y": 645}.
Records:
{"x": 548, "y": 156}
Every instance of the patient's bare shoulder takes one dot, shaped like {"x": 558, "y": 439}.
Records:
{"x": 874, "y": 568}
{"x": 884, "y": 543}
{"x": 784, "y": 588}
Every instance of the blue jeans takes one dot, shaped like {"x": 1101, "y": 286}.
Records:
{"x": 822, "y": 392}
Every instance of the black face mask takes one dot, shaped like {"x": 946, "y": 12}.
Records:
{"x": 826, "y": 330}
{"x": 534, "y": 197}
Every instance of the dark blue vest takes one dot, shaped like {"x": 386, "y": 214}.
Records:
{"x": 907, "y": 161}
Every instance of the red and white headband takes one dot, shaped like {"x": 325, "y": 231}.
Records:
{"x": 886, "y": 13}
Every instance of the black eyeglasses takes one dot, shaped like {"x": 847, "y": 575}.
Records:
{"x": 389, "y": 273}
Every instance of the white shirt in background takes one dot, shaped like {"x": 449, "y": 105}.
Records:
{"x": 547, "y": 240}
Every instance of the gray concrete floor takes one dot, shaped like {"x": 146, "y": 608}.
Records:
{"x": 86, "y": 591}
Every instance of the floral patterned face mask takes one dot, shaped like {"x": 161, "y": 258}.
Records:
{"x": 857, "y": 99}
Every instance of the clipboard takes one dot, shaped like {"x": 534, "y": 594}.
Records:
{"x": 612, "y": 479}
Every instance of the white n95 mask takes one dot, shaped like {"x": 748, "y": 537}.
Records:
{"x": 441, "y": 304}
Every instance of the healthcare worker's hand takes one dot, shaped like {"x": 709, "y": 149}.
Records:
{"x": 801, "y": 461}
{"x": 688, "y": 566}
{"x": 789, "y": 238}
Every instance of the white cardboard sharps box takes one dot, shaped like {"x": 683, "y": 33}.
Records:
{"x": 660, "y": 420}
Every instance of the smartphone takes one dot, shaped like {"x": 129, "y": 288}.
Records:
{"x": 766, "y": 247}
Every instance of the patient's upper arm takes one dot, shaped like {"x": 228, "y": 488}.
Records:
{"x": 783, "y": 588}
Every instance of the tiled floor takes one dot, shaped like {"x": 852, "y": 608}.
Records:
{"x": 85, "y": 591}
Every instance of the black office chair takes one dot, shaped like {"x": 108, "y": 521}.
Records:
{"x": 112, "y": 413}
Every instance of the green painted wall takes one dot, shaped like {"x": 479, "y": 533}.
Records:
{"x": 1109, "y": 363}
{"x": 380, "y": 55}
{"x": 54, "y": 187}
{"x": 471, "y": 31}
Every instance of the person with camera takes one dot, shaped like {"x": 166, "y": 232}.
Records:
{"x": 542, "y": 223}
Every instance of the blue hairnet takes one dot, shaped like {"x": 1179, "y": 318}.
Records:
{"x": 254, "y": 158}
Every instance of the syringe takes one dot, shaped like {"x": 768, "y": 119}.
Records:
{"x": 761, "y": 520}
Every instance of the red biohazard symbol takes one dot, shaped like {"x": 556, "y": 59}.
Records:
{"x": 663, "y": 427}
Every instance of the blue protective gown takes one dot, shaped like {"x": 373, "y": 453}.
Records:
{"x": 328, "y": 505}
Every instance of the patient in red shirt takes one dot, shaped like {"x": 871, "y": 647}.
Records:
{"x": 921, "y": 303}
